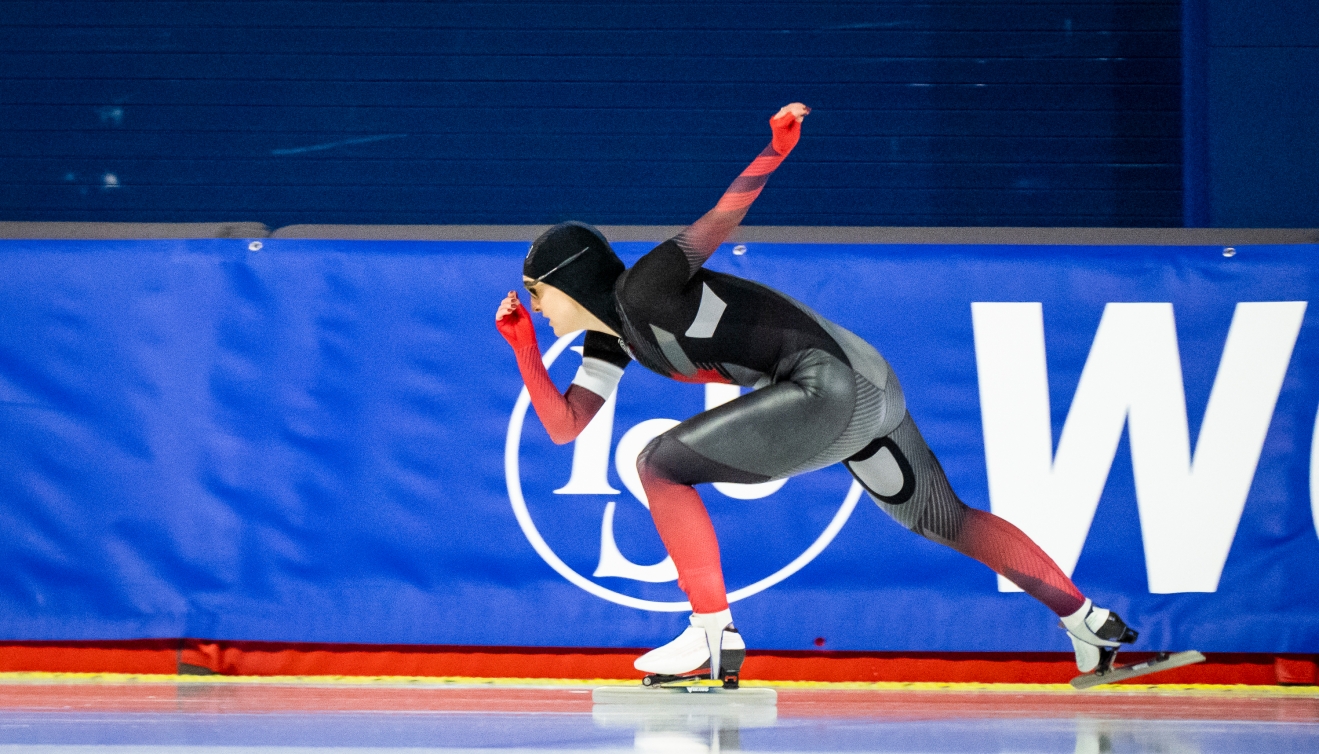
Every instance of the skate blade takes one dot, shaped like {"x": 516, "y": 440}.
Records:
{"x": 1123, "y": 672}
{"x": 667, "y": 695}
{"x": 695, "y": 684}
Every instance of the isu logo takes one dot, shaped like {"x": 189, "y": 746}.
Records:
{"x": 589, "y": 476}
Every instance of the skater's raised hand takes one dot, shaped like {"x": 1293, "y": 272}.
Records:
{"x": 796, "y": 109}
{"x": 514, "y": 322}
{"x": 786, "y": 125}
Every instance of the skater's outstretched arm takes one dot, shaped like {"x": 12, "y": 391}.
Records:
{"x": 564, "y": 415}
{"x": 699, "y": 240}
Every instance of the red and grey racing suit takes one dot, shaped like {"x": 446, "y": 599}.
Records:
{"x": 821, "y": 395}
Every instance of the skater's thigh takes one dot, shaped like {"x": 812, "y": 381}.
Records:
{"x": 905, "y": 480}
{"x": 764, "y": 434}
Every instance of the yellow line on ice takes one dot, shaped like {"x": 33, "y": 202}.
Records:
{"x": 295, "y": 680}
{"x": 451, "y": 681}
{"x": 1049, "y": 688}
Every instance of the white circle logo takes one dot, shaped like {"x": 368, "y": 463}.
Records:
{"x": 631, "y": 442}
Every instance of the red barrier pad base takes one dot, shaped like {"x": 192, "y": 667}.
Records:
{"x": 1296, "y": 671}
{"x": 267, "y": 659}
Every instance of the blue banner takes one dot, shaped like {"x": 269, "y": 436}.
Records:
{"x": 323, "y": 441}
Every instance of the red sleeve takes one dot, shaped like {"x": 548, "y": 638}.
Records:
{"x": 564, "y": 415}
{"x": 701, "y": 238}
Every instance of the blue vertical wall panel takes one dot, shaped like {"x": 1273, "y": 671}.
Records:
{"x": 1195, "y": 113}
{"x": 999, "y": 112}
{"x": 1263, "y": 113}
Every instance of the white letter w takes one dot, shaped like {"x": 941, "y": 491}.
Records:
{"x": 1189, "y": 506}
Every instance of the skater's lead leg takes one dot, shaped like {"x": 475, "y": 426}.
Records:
{"x": 688, "y": 534}
{"x": 746, "y": 441}
{"x": 684, "y": 526}
{"x": 668, "y": 467}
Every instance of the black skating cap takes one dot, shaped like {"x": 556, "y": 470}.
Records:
{"x": 575, "y": 258}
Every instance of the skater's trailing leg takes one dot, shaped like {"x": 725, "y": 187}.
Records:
{"x": 907, "y": 482}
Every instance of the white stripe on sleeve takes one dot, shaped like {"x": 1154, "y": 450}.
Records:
{"x": 600, "y": 377}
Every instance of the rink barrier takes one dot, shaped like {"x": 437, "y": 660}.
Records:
{"x": 233, "y": 658}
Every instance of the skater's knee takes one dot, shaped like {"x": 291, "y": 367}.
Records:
{"x": 651, "y": 462}
{"x": 668, "y": 458}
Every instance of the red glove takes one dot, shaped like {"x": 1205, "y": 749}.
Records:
{"x": 786, "y": 132}
{"x": 564, "y": 416}
{"x": 517, "y": 328}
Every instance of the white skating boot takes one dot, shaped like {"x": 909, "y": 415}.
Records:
{"x": 1096, "y": 635}
{"x": 688, "y": 658}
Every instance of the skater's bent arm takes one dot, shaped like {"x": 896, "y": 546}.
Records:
{"x": 701, "y": 238}
{"x": 564, "y": 415}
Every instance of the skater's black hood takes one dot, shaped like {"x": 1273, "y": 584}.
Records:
{"x": 577, "y": 259}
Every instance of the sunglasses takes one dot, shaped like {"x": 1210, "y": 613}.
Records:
{"x": 558, "y": 267}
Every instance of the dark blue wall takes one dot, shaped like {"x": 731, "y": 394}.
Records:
{"x": 1257, "y": 140}
{"x": 927, "y": 113}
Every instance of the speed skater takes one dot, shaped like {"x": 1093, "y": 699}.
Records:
{"x": 821, "y": 395}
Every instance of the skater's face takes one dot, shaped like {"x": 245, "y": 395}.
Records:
{"x": 563, "y": 311}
